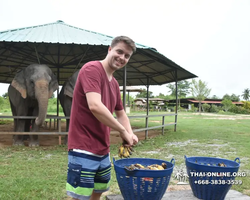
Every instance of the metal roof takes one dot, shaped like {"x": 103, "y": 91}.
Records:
{"x": 208, "y": 101}
{"x": 57, "y": 32}
{"x": 65, "y": 48}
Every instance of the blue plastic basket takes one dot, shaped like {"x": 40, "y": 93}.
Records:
{"x": 142, "y": 184}
{"x": 207, "y": 179}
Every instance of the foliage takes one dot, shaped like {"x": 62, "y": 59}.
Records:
{"x": 239, "y": 110}
{"x": 246, "y": 94}
{"x": 52, "y": 105}
{"x": 206, "y": 107}
{"x": 5, "y": 95}
{"x": 4, "y": 104}
{"x": 215, "y": 97}
{"x": 200, "y": 91}
{"x": 246, "y": 104}
{"x": 143, "y": 94}
{"x": 183, "y": 88}
{"x": 166, "y": 97}
{"x": 214, "y": 108}
{"x": 233, "y": 97}
{"x": 227, "y": 104}
{"x": 128, "y": 98}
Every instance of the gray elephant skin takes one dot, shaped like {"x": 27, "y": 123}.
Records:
{"x": 28, "y": 93}
{"x": 65, "y": 97}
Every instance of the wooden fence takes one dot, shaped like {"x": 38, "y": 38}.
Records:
{"x": 56, "y": 121}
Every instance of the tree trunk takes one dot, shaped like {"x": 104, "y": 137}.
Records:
{"x": 200, "y": 107}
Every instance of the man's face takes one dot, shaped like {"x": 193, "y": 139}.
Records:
{"x": 119, "y": 55}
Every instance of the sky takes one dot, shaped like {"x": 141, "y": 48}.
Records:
{"x": 209, "y": 38}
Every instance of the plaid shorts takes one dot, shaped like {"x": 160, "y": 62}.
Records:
{"x": 87, "y": 173}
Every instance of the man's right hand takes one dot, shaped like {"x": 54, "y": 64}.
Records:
{"x": 127, "y": 138}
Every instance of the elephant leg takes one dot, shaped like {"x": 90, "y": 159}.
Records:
{"x": 67, "y": 129}
{"x": 27, "y": 128}
{"x": 34, "y": 140}
{"x": 18, "y": 139}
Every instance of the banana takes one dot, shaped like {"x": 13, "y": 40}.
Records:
{"x": 160, "y": 167}
{"x": 121, "y": 151}
{"x": 139, "y": 166}
{"x": 125, "y": 151}
{"x": 164, "y": 165}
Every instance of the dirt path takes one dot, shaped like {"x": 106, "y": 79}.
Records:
{"x": 51, "y": 140}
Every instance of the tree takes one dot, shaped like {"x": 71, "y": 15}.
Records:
{"x": 200, "y": 91}
{"x": 143, "y": 94}
{"x": 214, "y": 97}
{"x": 233, "y": 97}
{"x": 227, "y": 104}
{"x": 5, "y": 95}
{"x": 246, "y": 94}
{"x": 226, "y": 96}
{"x": 183, "y": 88}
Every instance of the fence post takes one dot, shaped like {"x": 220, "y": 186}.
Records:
{"x": 146, "y": 132}
{"x": 59, "y": 130}
{"x": 163, "y": 122}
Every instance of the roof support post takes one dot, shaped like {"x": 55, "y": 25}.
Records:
{"x": 176, "y": 102}
{"x": 58, "y": 78}
{"x": 146, "y": 132}
{"x": 124, "y": 86}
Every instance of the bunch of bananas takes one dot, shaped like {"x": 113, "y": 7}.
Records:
{"x": 151, "y": 167}
{"x": 125, "y": 151}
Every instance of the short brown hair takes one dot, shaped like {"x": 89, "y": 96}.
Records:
{"x": 124, "y": 39}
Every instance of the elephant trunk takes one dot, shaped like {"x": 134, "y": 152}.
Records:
{"x": 41, "y": 93}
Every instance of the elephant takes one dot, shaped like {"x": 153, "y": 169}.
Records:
{"x": 65, "y": 98}
{"x": 28, "y": 93}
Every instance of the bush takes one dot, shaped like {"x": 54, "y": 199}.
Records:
{"x": 239, "y": 110}
{"x": 221, "y": 112}
{"x": 214, "y": 108}
{"x": 206, "y": 107}
{"x": 246, "y": 104}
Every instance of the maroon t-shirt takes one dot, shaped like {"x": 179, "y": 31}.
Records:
{"x": 85, "y": 131}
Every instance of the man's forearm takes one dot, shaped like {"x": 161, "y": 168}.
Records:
{"x": 124, "y": 120}
{"x": 105, "y": 117}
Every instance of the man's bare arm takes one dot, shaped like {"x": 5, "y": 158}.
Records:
{"x": 101, "y": 112}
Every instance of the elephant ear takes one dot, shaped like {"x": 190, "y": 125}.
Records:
{"x": 53, "y": 85}
{"x": 19, "y": 83}
{"x": 70, "y": 85}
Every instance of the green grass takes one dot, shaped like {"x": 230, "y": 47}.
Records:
{"x": 40, "y": 173}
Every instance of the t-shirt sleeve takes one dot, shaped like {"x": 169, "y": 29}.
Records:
{"x": 90, "y": 78}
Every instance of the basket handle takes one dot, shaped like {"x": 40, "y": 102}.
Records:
{"x": 185, "y": 157}
{"x": 173, "y": 161}
{"x": 113, "y": 159}
{"x": 235, "y": 160}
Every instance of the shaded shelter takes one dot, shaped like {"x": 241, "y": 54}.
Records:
{"x": 131, "y": 89}
{"x": 65, "y": 48}
{"x": 187, "y": 102}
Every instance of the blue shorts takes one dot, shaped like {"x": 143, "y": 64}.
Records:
{"x": 87, "y": 173}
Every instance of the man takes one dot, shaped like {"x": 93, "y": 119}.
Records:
{"x": 96, "y": 97}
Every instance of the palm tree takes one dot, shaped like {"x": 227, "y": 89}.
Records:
{"x": 246, "y": 94}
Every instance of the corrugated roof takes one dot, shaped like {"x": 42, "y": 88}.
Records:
{"x": 65, "y": 48}
{"x": 208, "y": 101}
{"x": 57, "y": 32}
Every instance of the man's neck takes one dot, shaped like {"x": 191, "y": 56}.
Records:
{"x": 107, "y": 69}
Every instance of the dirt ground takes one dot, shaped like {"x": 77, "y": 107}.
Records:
{"x": 51, "y": 140}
